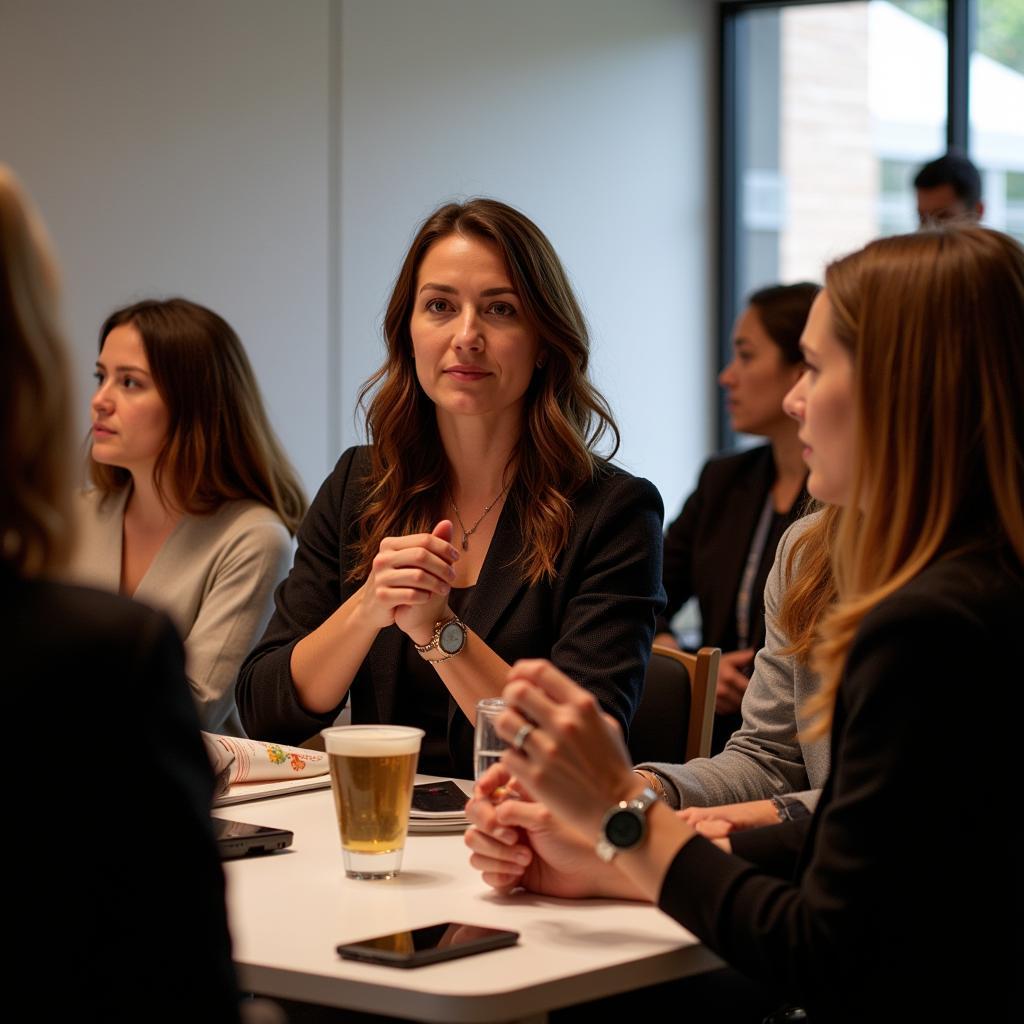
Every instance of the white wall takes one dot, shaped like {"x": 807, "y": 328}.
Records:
{"x": 181, "y": 148}
{"x": 272, "y": 160}
{"x": 592, "y": 116}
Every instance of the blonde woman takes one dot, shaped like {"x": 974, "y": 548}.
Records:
{"x": 892, "y": 901}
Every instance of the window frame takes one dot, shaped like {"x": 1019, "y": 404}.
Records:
{"x": 961, "y": 18}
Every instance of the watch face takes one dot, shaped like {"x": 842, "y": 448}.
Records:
{"x": 453, "y": 636}
{"x": 624, "y": 829}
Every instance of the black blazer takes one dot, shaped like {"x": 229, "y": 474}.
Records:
{"x": 595, "y": 621}
{"x": 898, "y": 899}
{"x": 706, "y": 547}
{"x": 116, "y": 854}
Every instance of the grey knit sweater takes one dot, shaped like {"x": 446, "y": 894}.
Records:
{"x": 765, "y": 757}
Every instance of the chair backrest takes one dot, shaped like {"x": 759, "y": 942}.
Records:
{"x": 677, "y": 709}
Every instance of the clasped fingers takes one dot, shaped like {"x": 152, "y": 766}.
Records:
{"x": 414, "y": 560}
{"x": 423, "y": 541}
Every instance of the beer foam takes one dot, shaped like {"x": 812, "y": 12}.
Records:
{"x": 372, "y": 740}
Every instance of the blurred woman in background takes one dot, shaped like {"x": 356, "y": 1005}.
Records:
{"x": 723, "y": 543}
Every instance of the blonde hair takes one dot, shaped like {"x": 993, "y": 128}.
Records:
{"x": 810, "y": 589}
{"x": 934, "y": 322}
{"x": 35, "y": 428}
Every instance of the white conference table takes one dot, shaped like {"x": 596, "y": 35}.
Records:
{"x": 289, "y": 910}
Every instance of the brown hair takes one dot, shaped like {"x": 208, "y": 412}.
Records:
{"x": 934, "y": 322}
{"x": 220, "y": 445}
{"x": 35, "y": 429}
{"x": 565, "y": 415}
{"x": 782, "y": 310}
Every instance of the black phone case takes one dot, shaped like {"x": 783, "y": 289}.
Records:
{"x": 438, "y": 796}
{"x": 368, "y": 955}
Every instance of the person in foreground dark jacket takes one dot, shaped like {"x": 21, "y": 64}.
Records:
{"x": 116, "y": 886}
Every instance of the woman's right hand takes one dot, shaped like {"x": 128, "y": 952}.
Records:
{"x": 409, "y": 572}
{"x": 725, "y": 818}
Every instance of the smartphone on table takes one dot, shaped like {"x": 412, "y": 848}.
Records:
{"x": 428, "y": 945}
{"x": 238, "y": 839}
{"x": 438, "y": 798}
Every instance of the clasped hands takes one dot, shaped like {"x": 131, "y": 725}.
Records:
{"x": 572, "y": 767}
{"x": 409, "y": 582}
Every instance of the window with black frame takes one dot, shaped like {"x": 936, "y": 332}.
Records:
{"x": 829, "y": 110}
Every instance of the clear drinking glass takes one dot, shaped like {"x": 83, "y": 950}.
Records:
{"x": 372, "y": 772}
{"x": 488, "y": 746}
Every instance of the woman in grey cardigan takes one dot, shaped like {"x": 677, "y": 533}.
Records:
{"x": 193, "y": 501}
{"x": 767, "y": 772}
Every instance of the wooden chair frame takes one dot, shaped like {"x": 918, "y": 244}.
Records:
{"x": 703, "y": 671}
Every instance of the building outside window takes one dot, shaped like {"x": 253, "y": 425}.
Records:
{"x": 837, "y": 105}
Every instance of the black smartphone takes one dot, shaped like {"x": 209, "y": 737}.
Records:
{"x": 438, "y": 797}
{"x": 238, "y": 839}
{"x": 428, "y": 945}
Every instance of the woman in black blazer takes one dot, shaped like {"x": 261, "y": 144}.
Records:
{"x": 114, "y": 851}
{"x": 721, "y": 547}
{"x": 479, "y": 526}
{"x": 892, "y": 902}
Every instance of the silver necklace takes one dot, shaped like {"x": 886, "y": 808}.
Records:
{"x": 466, "y": 534}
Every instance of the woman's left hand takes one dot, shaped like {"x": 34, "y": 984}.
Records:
{"x": 574, "y": 760}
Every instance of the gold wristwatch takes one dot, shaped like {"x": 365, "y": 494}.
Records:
{"x": 449, "y": 638}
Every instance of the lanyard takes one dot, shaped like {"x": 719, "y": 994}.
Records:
{"x": 754, "y": 557}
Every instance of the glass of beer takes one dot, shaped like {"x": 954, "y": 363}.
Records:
{"x": 372, "y": 772}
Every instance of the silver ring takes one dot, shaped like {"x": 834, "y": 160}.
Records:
{"x": 519, "y": 741}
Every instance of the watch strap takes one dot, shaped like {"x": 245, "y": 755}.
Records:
{"x": 638, "y": 806}
{"x": 435, "y": 641}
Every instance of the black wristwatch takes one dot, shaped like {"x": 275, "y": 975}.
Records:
{"x": 449, "y": 638}
{"x": 625, "y": 825}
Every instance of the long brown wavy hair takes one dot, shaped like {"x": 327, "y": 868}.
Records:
{"x": 220, "y": 444}
{"x": 565, "y": 416}
{"x": 934, "y": 322}
{"x": 35, "y": 399}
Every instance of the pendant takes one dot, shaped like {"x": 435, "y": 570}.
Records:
{"x": 465, "y": 542}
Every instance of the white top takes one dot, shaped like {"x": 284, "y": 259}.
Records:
{"x": 214, "y": 576}
{"x": 288, "y": 912}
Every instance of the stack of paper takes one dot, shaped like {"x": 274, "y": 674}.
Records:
{"x": 437, "y": 823}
